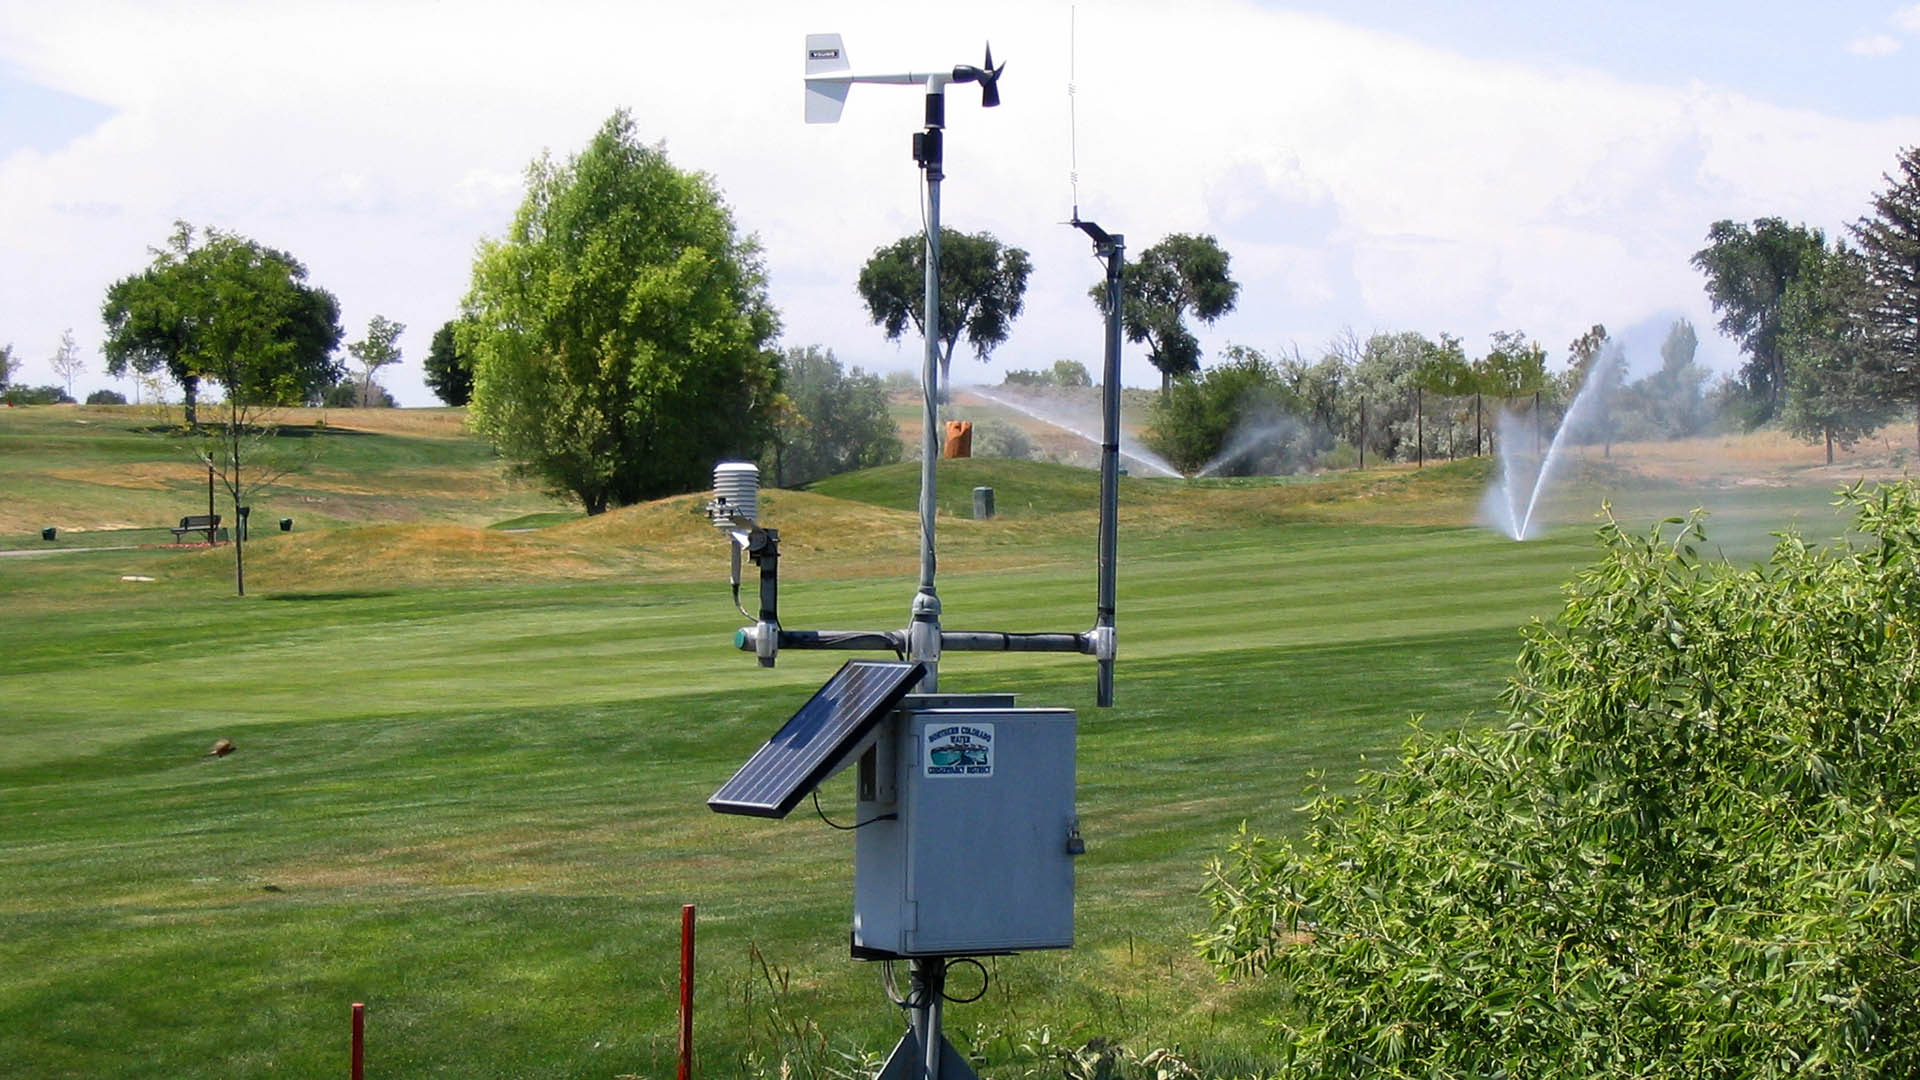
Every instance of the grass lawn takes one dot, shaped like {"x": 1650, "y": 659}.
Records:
{"x": 471, "y": 768}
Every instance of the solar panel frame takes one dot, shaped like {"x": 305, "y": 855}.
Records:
{"x": 818, "y": 740}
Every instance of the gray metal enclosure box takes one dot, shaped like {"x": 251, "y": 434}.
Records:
{"x": 977, "y": 860}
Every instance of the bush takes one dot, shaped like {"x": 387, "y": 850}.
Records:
{"x": 1689, "y": 852}
{"x": 106, "y": 397}
{"x": 34, "y": 395}
{"x": 999, "y": 439}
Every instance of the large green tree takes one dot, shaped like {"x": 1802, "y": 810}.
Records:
{"x": 1890, "y": 245}
{"x": 1748, "y": 269}
{"x": 619, "y": 330}
{"x": 832, "y": 420}
{"x": 179, "y": 316}
{"x": 1837, "y": 381}
{"x": 449, "y": 371}
{"x": 8, "y": 365}
{"x": 1178, "y": 277}
{"x": 983, "y": 286}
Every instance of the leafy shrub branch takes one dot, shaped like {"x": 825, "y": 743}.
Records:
{"x": 1689, "y": 851}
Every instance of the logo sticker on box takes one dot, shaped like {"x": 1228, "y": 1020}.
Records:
{"x": 960, "y": 750}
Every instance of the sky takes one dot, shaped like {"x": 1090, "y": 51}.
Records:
{"x": 1370, "y": 165}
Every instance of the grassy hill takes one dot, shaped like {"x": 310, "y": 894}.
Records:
{"x": 472, "y": 762}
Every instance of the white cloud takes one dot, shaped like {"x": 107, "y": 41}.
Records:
{"x": 1908, "y": 19}
{"x": 1874, "y": 45}
{"x": 1359, "y": 178}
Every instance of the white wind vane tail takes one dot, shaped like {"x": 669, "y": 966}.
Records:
{"x": 828, "y": 77}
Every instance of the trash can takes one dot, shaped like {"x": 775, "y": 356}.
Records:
{"x": 959, "y": 439}
{"x": 286, "y": 524}
{"x": 982, "y": 503}
{"x": 48, "y": 533}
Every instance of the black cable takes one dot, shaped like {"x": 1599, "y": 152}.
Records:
{"x": 855, "y": 825}
{"x": 984, "y": 980}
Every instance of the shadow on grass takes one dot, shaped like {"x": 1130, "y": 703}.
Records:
{"x": 341, "y": 594}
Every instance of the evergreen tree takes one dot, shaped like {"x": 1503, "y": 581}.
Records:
{"x": 1836, "y": 380}
{"x": 1890, "y": 247}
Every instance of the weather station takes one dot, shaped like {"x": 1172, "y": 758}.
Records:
{"x": 965, "y": 827}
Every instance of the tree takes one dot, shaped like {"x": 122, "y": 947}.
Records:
{"x": 1836, "y": 380}
{"x": 373, "y": 352}
{"x": 1890, "y": 245}
{"x": 1386, "y": 377}
{"x": 106, "y": 397}
{"x": 1685, "y": 850}
{"x": 66, "y": 361}
{"x": 1748, "y": 270}
{"x": 1596, "y": 369}
{"x": 1514, "y": 366}
{"x": 619, "y": 330}
{"x": 834, "y": 421}
{"x": 1178, "y": 276}
{"x": 1445, "y": 373}
{"x": 449, "y": 370}
{"x": 983, "y": 286}
{"x": 1071, "y": 374}
{"x": 8, "y": 365}
{"x": 1239, "y": 418}
{"x": 159, "y": 319}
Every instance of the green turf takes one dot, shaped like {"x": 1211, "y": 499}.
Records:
{"x": 478, "y": 809}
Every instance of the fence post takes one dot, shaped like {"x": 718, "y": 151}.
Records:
{"x": 686, "y": 992}
{"x": 357, "y": 1056}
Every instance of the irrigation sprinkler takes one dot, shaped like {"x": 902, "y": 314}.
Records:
{"x": 964, "y": 824}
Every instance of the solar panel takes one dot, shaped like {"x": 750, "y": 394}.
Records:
{"x": 818, "y": 740}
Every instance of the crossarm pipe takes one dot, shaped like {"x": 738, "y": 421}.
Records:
{"x": 997, "y": 641}
{"x": 1089, "y": 643}
{"x": 746, "y": 639}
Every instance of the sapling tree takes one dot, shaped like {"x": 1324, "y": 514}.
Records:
{"x": 66, "y": 361}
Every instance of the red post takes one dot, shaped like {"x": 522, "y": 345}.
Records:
{"x": 357, "y": 1066}
{"x": 686, "y": 992}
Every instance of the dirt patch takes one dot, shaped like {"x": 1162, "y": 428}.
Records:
{"x": 137, "y": 475}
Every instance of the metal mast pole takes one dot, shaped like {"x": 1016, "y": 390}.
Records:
{"x": 1113, "y": 250}
{"x": 923, "y": 633}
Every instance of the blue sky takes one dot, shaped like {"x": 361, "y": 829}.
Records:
{"x": 1805, "y": 55}
{"x": 1461, "y": 168}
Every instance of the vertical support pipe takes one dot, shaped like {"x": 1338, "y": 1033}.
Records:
{"x": 923, "y": 635}
{"x": 686, "y": 992}
{"x": 927, "y": 987}
{"x": 357, "y": 1055}
{"x": 1115, "y": 253}
{"x": 1363, "y": 432}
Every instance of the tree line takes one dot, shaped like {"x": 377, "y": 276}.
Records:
{"x": 618, "y": 338}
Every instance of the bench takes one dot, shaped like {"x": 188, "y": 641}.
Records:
{"x": 192, "y": 523}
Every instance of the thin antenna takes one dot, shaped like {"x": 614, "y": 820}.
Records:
{"x": 1073, "y": 113}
